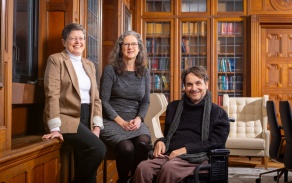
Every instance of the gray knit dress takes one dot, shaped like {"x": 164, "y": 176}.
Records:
{"x": 126, "y": 96}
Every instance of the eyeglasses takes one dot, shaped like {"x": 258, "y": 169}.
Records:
{"x": 130, "y": 44}
{"x": 76, "y": 38}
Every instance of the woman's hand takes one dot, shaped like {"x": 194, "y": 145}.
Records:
{"x": 96, "y": 130}
{"x": 135, "y": 123}
{"x": 125, "y": 125}
{"x": 159, "y": 149}
{"x": 128, "y": 126}
{"x": 54, "y": 134}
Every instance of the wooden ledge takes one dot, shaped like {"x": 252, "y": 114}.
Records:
{"x": 17, "y": 156}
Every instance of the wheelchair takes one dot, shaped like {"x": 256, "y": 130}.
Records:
{"x": 216, "y": 171}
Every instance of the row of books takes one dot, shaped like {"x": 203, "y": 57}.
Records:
{"x": 159, "y": 82}
{"x": 230, "y": 28}
{"x": 185, "y": 46}
{"x": 193, "y": 47}
{"x": 191, "y": 61}
{"x": 152, "y": 46}
{"x": 226, "y": 65}
{"x": 161, "y": 63}
{"x": 230, "y": 83}
{"x": 194, "y": 28}
{"x": 157, "y": 28}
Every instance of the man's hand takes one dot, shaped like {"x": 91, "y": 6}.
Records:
{"x": 96, "y": 130}
{"x": 54, "y": 134}
{"x": 159, "y": 149}
{"x": 177, "y": 152}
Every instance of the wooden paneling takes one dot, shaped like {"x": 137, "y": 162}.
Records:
{"x": 110, "y": 29}
{"x": 276, "y": 61}
{"x": 55, "y": 15}
{"x": 271, "y": 52}
{"x": 38, "y": 162}
{"x": 271, "y": 57}
{"x": 27, "y": 93}
{"x": 269, "y": 7}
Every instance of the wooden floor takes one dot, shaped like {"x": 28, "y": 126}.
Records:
{"x": 235, "y": 161}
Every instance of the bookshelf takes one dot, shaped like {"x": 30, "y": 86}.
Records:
{"x": 181, "y": 33}
{"x": 230, "y": 59}
{"x": 193, "y": 44}
{"x": 158, "y": 49}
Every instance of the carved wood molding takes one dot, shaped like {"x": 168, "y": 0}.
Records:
{"x": 277, "y": 83}
{"x": 271, "y": 18}
{"x": 282, "y": 5}
{"x": 289, "y": 67}
{"x": 254, "y": 18}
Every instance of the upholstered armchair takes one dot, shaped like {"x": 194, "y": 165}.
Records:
{"x": 248, "y": 135}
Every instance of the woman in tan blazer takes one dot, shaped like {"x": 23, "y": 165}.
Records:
{"x": 73, "y": 111}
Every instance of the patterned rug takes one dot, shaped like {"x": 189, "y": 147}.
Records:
{"x": 249, "y": 175}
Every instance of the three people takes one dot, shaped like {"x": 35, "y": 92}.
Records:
{"x": 193, "y": 126}
{"x": 125, "y": 95}
{"x": 73, "y": 111}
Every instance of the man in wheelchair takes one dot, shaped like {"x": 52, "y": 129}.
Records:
{"x": 193, "y": 126}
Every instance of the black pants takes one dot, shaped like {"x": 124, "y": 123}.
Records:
{"x": 89, "y": 150}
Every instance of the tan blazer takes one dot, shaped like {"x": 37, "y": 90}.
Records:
{"x": 63, "y": 101}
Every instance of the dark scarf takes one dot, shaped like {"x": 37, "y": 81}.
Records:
{"x": 198, "y": 157}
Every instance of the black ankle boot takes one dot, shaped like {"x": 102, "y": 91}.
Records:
{"x": 145, "y": 149}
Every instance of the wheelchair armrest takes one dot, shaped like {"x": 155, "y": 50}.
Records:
{"x": 219, "y": 152}
{"x": 199, "y": 168}
{"x": 218, "y": 159}
{"x": 231, "y": 119}
{"x": 150, "y": 154}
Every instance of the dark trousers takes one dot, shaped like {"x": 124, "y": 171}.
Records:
{"x": 89, "y": 150}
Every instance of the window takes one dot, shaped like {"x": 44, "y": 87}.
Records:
{"x": 25, "y": 26}
{"x": 93, "y": 32}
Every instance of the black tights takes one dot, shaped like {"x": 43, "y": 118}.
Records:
{"x": 129, "y": 155}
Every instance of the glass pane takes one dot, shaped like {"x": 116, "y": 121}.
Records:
{"x": 230, "y": 5}
{"x": 157, "y": 6}
{"x": 127, "y": 19}
{"x": 193, "y": 6}
{"x": 25, "y": 26}
{"x": 230, "y": 50}
{"x": 193, "y": 44}
{"x": 93, "y": 29}
{"x": 158, "y": 49}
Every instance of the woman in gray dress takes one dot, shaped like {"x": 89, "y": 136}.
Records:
{"x": 125, "y": 93}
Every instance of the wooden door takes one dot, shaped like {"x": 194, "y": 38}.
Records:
{"x": 276, "y": 62}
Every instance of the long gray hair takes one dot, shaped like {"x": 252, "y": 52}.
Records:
{"x": 116, "y": 56}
